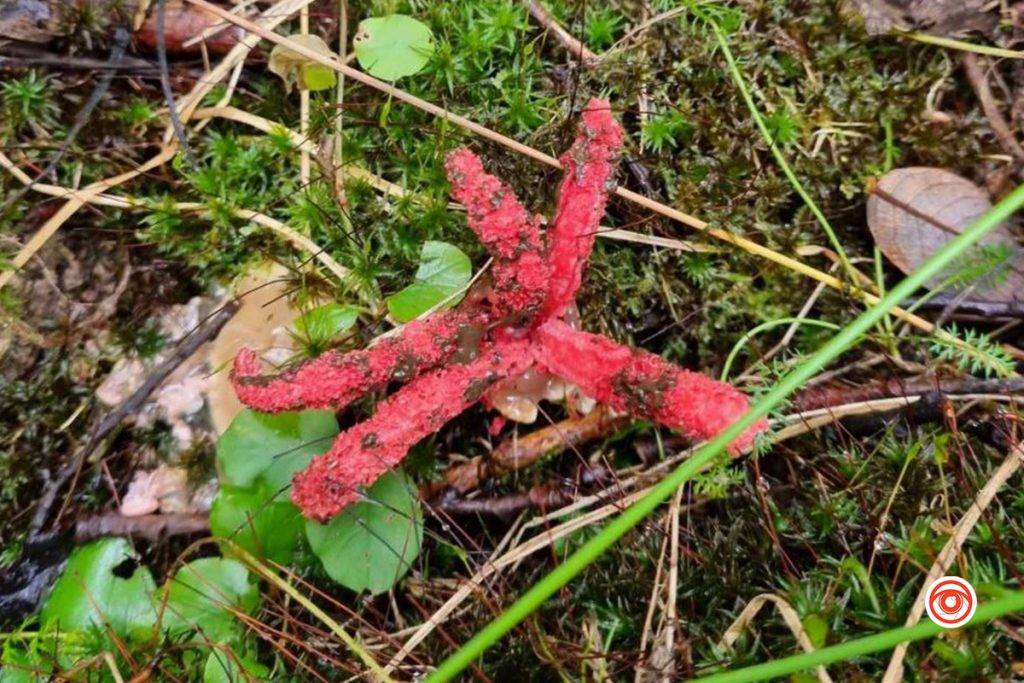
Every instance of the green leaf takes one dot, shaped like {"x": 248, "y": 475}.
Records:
{"x": 444, "y": 271}
{"x": 372, "y": 544}
{"x": 393, "y": 46}
{"x": 224, "y": 668}
{"x": 443, "y": 265}
{"x": 264, "y": 524}
{"x": 202, "y": 596}
{"x": 258, "y": 447}
{"x": 315, "y": 77}
{"x": 101, "y": 585}
{"x": 817, "y": 629}
{"x": 322, "y": 324}
{"x": 295, "y": 68}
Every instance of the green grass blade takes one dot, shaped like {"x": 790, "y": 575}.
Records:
{"x": 962, "y": 45}
{"x": 1014, "y": 602}
{"x": 631, "y": 516}
{"x": 738, "y": 346}
{"x": 780, "y": 158}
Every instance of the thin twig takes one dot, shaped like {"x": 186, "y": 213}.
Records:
{"x": 304, "y": 165}
{"x": 974, "y": 68}
{"x": 339, "y": 100}
{"x": 642, "y": 668}
{"x": 186, "y": 347}
{"x": 165, "y": 80}
{"x": 570, "y": 42}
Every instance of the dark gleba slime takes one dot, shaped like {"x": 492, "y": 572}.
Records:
{"x": 452, "y": 359}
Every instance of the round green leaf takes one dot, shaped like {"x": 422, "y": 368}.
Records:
{"x": 414, "y": 300}
{"x": 101, "y": 586}
{"x": 322, "y": 324}
{"x": 444, "y": 271}
{"x": 225, "y": 668}
{"x": 372, "y": 544}
{"x": 393, "y": 46}
{"x": 201, "y": 596}
{"x": 265, "y": 524}
{"x": 258, "y": 447}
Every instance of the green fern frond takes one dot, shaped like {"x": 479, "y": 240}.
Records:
{"x": 973, "y": 352}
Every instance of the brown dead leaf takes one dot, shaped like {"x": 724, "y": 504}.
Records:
{"x": 261, "y": 323}
{"x": 28, "y": 20}
{"x": 182, "y": 22}
{"x": 937, "y": 17}
{"x": 913, "y": 212}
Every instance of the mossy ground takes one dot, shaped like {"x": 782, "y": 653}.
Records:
{"x": 803, "y": 520}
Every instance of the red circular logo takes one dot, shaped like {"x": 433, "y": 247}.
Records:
{"x": 950, "y": 602}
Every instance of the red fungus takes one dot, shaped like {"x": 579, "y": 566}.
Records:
{"x": 334, "y": 379}
{"x": 451, "y": 360}
{"x": 641, "y": 383}
{"x": 366, "y": 451}
{"x": 588, "y": 165}
{"x": 521, "y": 272}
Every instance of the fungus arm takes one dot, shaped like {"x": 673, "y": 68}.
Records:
{"x": 521, "y": 270}
{"x": 643, "y": 384}
{"x": 360, "y": 455}
{"x": 334, "y": 379}
{"x": 589, "y": 165}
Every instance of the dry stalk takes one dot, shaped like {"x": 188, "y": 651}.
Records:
{"x": 571, "y": 43}
{"x": 106, "y": 199}
{"x": 963, "y": 528}
{"x": 789, "y": 616}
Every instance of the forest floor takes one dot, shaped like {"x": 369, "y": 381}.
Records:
{"x": 139, "y": 252}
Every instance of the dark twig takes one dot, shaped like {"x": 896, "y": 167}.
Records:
{"x": 186, "y": 347}
{"x": 26, "y": 56}
{"x": 516, "y": 453}
{"x": 642, "y": 174}
{"x": 974, "y": 67}
{"x": 832, "y": 395}
{"x": 121, "y": 37}
{"x": 983, "y": 309}
{"x": 542, "y": 497}
{"x": 165, "y": 80}
{"x": 151, "y": 528}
